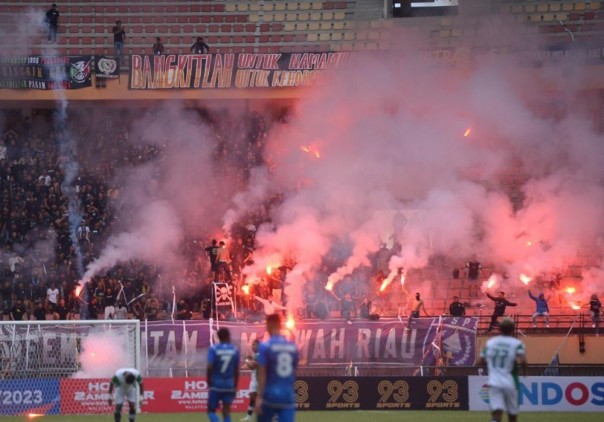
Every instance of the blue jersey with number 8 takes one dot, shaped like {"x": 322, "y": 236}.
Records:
{"x": 280, "y": 358}
{"x": 224, "y": 358}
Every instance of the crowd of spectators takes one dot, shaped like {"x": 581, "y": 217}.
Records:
{"x": 39, "y": 248}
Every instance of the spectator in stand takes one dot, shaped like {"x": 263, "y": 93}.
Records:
{"x": 52, "y": 20}
{"x": 222, "y": 262}
{"x": 152, "y": 310}
{"x": 212, "y": 252}
{"x": 473, "y": 268}
{"x": 456, "y": 308}
{"x": 7, "y": 297}
{"x": 109, "y": 303}
{"x": 269, "y": 305}
{"x": 500, "y": 304}
{"x": 347, "y": 309}
{"x": 542, "y": 308}
{"x": 418, "y": 304}
{"x": 61, "y": 312}
{"x": 200, "y": 47}
{"x": 182, "y": 310}
{"x": 121, "y": 312}
{"x": 52, "y": 295}
{"x": 119, "y": 38}
{"x": 18, "y": 311}
{"x": 158, "y": 47}
{"x": 595, "y": 309}
{"x": 40, "y": 312}
{"x": 93, "y": 308}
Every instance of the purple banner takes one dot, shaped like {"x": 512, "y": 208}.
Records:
{"x": 322, "y": 343}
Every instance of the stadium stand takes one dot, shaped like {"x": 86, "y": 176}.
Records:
{"x": 284, "y": 26}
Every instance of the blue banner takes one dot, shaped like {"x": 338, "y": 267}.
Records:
{"x": 29, "y": 396}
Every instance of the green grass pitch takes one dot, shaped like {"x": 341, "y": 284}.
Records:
{"x": 334, "y": 416}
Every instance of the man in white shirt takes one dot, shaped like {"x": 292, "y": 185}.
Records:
{"x": 502, "y": 355}
{"x": 270, "y": 306}
{"x": 52, "y": 294}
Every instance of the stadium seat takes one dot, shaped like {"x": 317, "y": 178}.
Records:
{"x": 580, "y": 6}
{"x": 268, "y": 7}
{"x": 316, "y": 5}
{"x": 314, "y": 26}
{"x": 325, "y": 26}
{"x": 303, "y": 16}
{"x": 289, "y": 26}
{"x": 243, "y": 7}
{"x": 230, "y": 7}
{"x": 305, "y": 5}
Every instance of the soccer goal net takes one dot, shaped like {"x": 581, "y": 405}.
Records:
{"x": 41, "y": 361}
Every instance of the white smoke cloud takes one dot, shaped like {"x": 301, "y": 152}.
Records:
{"x": 102, "y": 354}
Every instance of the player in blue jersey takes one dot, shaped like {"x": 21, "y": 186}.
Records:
{"x": 223, "y": 375}
{"x": 277, "y": 363}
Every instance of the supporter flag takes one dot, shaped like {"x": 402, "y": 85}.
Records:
{"x": 107, "y": 67}
{"x": 223, "y": 292}
{"x": 553, "y": 369}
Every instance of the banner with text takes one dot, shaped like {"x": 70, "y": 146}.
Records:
{"x": 241, "y": 70}
{"x": 45, "y": 73}
{"x": 161, "y": 395}
{"x": 179, "y": 348}
{"x": 29, "y": 396}
{"x": 382, "y": 393}
{"x": 323, "y": 343}
{"x": 549, "y": 394}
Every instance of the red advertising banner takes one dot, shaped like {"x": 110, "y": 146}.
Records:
{"x": 162, "y": 395}
{"x": 175, "y": 395}
{"x": 85, "y": 396}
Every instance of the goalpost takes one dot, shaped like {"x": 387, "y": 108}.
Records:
{"x": 44, "y": 363}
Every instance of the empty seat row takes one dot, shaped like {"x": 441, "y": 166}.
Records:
{"x": 292, "y": 17}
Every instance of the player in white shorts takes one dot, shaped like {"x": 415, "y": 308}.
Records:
{"x": 125, "y": 381}
{"x": 501, "y": 355}
{"x": 251, "y": 363}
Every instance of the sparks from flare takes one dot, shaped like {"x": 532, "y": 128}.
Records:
{"x": 290, "y": 324}
{"x": 246, "y": 289}
{"x": 269, "y": 269}
{"x": 402, "y": 279}
{"x": 329, "y": 286}
{"x": 574, "y": 306}
{"x": 525, "y": 279}
{"x": 570, "y": 290}
{"x": 78, "y": 290}
{"x": 529, "y": 243}
{"x": 491, "y": 282}
{"x": 385, "y": 284}
{"x": 311, "y": 150}
{"x": 467, "y": 132}
{"x": 34, "y": 415}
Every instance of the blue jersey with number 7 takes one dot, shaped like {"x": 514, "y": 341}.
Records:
{"x": 280, "y": 358}
{"x": 224, "y": 358}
